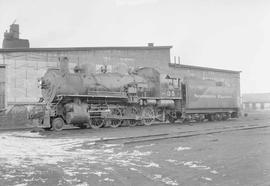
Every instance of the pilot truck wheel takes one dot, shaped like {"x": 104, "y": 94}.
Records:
{"x": 57, "y": 124}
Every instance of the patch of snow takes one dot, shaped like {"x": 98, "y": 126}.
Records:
{"x": 169, "y": 181}
{"x": 21, "y": 184}
{"x": 189, "y": 163}
{"x": 124, "y": 163}
{"x": 42, "y": 180}
{"x": 72, "y": 181}
{"x": 134, "y": 153}
{"x": 142, "y": 146}
{"x": 171, "y": 161}
{"x": 214, "y": 172}
{"x": 152, "y": 164}
{"x": 25, "y": 153}
{"x": 206, "y": 178}
{"x": 83, "y": 184}
{"x": 15, "y": 150}
{"x": 108, "y": 150}
{"x": 7, "y": 176}
{"x": 182, "y": 148}
{"x": 109, "y": 179}
{"x": 133, "y": 169}
{"x": 195, "y": 164}
{"x": 99, "y": 173}
{"x": 156, "y": 176}
{"x": 69, "y": 172}
{"x": 84, "y": 168}
{"x": 139, "y": 153}
{"x": 91, "y": 143}
{"x": 199, "y": 166}
{"x": 166, "y": 180}
{"x": 111, "y": 145}
{"x": 109, "y": 168}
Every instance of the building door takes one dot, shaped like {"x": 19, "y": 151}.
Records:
{"x": 2, "y": 87}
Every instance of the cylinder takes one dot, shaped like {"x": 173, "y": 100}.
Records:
{"x": 77, "y": 118}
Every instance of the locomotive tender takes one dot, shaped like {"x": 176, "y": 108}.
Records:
{"x": 143, "y": 96}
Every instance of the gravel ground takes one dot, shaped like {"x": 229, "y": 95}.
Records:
{"x": 72, "y": 158}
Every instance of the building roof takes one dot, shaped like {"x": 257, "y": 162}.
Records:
{"x": 203, "y": 68}
{"x": 84, "y": 48}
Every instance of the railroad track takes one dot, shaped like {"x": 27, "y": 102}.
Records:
{"x": 184, "y": 134}
{"x": 195, "y": 130}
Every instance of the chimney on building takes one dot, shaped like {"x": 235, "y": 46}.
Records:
{"x": 12, "y": 38}
{"x": 15, "y": 30}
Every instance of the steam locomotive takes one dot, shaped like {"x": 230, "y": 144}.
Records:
{"x": 141, "y": 97}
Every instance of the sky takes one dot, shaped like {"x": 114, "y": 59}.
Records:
{"x": 226, "y": 34}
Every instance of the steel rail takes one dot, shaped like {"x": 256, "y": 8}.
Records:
{"x": 184, "y": 134}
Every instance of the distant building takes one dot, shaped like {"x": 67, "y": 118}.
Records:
{"x": 256, "y": 101}
{"x": 12, "y": 38}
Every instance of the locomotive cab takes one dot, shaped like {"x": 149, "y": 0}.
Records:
{"x": 170, "y": 86}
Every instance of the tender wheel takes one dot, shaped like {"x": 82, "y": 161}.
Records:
{"x": 57, "y": 124}
{"x": 218, "y": 117}
{"x": 97, "y": 123}
{"x": 148, "y": 115}
{"x": 234, "y": 115}
{"x": 171, "y": 120}
{"x": 131, "y": 123}
{"x": 211, "y": 117}
{"x": 225, "y": 117}
{"x": 114, "y": 123}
